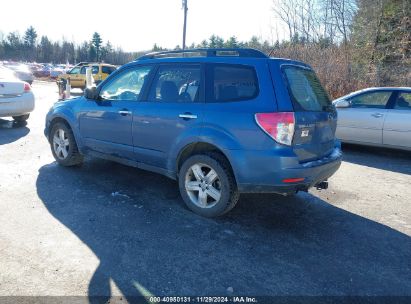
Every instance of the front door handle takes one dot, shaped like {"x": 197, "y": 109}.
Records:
{"x": 377, "y": 115}
{"x": 187, "y": 116}
{"x": 124, "y": 112}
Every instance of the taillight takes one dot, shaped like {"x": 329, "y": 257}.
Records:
{"x": 280, "y": 126}
{"x": 27, "y": 87}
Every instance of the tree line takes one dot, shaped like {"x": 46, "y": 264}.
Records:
{"x": 32, "y": 48}
{"x": 351, "y": 44}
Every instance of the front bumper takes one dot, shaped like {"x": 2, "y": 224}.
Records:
{"x": 265, "y": 171}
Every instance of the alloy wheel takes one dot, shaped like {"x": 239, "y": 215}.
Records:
{"x": 61, "y": 144}
{"x": 203, "y": 185}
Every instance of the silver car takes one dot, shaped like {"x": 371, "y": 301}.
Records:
{"x": 376, "y": 117}
{"x": 16, "y": 97}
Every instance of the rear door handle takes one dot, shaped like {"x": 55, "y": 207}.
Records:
{"x": 377, "y": 115}
{"x": 124, "y": 112}
{"x": 187, "y": 116}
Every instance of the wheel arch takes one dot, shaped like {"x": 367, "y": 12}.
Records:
{"x": 68, "y": 123}
{"x": 200, "y": 148}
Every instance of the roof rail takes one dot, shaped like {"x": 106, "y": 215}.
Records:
{"x": 211, "y": 52}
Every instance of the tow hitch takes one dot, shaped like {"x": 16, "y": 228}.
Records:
{"x": 322, "y": 185}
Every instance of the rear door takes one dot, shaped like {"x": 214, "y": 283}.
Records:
{"x": 315, "y": 117}
{"x": 363, "y": 121}
{"x": 173, "y": 110}
{"x": 397, "y": 126}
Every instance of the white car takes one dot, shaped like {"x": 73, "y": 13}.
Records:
{"x": 16, "y": 97}
{"x": 376, "y": 117}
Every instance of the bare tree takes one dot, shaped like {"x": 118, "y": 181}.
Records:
{"x": 284, "y": 10}
{"x": 315, "y": 19}
{"x": 343, "y": 14}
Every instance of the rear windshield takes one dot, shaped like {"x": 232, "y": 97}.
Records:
{"x": 306, "y": 91}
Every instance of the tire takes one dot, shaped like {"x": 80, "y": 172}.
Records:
{"x": 61, "y": 136}
{"x": 21, "y": 118}
{"x": 203, "y": 192}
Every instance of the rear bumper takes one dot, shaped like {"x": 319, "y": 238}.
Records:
{"x": 265, "y": 171}
{"x": 15, "y": 106}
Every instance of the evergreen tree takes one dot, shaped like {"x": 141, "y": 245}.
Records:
{"x": 30, "y": 37}
{"x": 95, "y": 50}
{"x": 13, "y": 46}
{"x": 45, "y": 50}
{"x": 106, "y": 52}
{"x": 232, "y": 42}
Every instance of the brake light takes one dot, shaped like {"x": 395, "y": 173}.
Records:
{"x": 280, "y": 126}
{"x": 27, "y": 87}
{"x": 293, "y": 180}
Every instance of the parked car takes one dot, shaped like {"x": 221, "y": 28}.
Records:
{"x": 57, "y": 71}
{"x": 43, "y": 71}
{"x": 83, "y": 63}
{"x": 22, "y": 72}
{"x": 376, "y": 117}
{"x": 221, "y": 122}
{"x": 77, "y": 75}
{"x": 16, "y": 98}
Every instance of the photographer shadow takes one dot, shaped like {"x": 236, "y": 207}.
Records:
{"x": 148, "y": 243}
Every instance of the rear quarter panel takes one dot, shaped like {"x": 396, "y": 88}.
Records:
{"x": 232, "y": 125}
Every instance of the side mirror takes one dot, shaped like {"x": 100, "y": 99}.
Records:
{"x": 91, "y": 93}
{"x": 343, "y": 104}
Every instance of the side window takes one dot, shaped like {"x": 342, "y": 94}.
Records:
{"x": 127, "y": 85}
{"x": 83, "y": 70}
{"x": 176, "y": 83}
{"x": 75, "y": 70}
{"x": 371, "y": 100}
{"x": 107, "y": 70}
{"x": 94, "y": 69}
{"x": 403, "y": 102}
{"x": 233, "y": 83}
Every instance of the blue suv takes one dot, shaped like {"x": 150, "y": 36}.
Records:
{"x": 220, "y": 121}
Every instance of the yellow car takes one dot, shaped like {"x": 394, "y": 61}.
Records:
{"x": 77, "y": 75}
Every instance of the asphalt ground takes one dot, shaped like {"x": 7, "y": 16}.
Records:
{"x": 104, "y": 229}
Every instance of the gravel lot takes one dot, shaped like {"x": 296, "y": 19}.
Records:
{"x": 106, "y": 229}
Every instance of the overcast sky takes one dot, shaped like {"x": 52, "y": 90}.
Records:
{"x": 136, "y": 24}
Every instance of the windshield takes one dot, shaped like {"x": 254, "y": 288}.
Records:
{"x": 305, "y": 89}
{"x": 75, "y": 70}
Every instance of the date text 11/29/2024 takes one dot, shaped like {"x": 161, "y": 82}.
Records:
{"x": 237, "y": 299}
